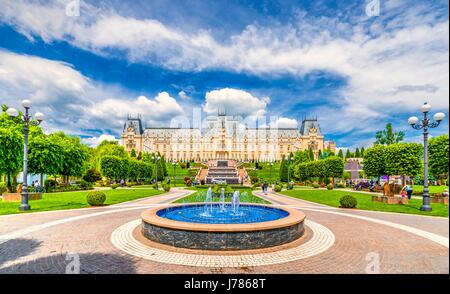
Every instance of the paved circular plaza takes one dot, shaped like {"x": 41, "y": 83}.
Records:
{"x": 106, "y": 240}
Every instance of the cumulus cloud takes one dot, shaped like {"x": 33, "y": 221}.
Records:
{"x": 95, "y": 141}
{"x": 284, "y": 122}
{"x": 183, "y": 95}
{"x": 235, "y": 102}
{"x": 391, "y": 63}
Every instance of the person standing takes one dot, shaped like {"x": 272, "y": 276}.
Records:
{"x": 36, "y": 186}
{"x": 409, "y": 191}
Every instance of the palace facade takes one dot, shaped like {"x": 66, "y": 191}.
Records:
{"x": 224, "y": 137}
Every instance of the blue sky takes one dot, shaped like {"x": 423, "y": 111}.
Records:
{"x": 289, "y": 59}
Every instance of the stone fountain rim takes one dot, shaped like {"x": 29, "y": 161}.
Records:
{"x": 151, "y": 217}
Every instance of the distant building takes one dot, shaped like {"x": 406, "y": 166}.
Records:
{"x": 223, "y": 137}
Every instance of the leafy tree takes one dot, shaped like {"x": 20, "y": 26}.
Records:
{"x": 438, "y": 156}
{"x": 388, "y": 136}
{"x": 75, "y": 155}
{"x": 375, "y": 161}
{"x": 92, "y": 175}
{"x": 110, "y": 166}
{"x": 362, "y": 152}
{"x": 303, "y": 171}
{"x": 357, "y": 154}
{"x": 340, "y": 153}
{"x": 11, "y": 153}
{"x": 110, "y": 148}
{"x": 45, "y": 156}
{"x": 334, "y": 167}
{"x": 133, "y": 153}
{"x": 403, "y": 159}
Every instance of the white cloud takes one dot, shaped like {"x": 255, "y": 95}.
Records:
{"x": 284, "y": 122}
{"x": 95, "y": 141}
{"x": 183, "y": 95}
{"x": 235, "y": 102}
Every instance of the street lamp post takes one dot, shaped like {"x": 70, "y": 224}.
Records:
{"x": 289, "y": 169}
{"x": 27, "y": 119}
{"x": 174, "y": 164}
{"x": 424, "y": 124}
{"x": 270, "y": 164}
{"x": 156, "y": 159}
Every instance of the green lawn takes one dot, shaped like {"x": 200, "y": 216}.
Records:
{"x": 264, "y": 173}
{"x": 71, "y": 200}
{"x": 200, "y": 195}
{"x": 433, "y": 189}
{"x": 332, "y": 197}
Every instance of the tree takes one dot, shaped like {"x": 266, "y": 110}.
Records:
{"x": 11, "y": 153}
{"x": 388, "y": 136}
{"x": 362, "y": 152}
{"x": 375, "y": 161}
{"x": 357, "y": 154}
{"x": 348, "y": 154}
{"x": 133, "y": 153}
{"x": 105, "y": 148}
{"x": 438, "y": 156}
{"x": 340, "y": 153}
{"x": 334, "y": 167}
{"x": 111, "y": 166}
{"x": 75, "y": 155}
{"x": 92, "y": 176}
{"x": 311, "y": 154}
{"x": 45, "y": 156}
{"x": 403, "y": 159}
{"x": 284, "y": 170}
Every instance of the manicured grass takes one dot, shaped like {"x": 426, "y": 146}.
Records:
{"x": 332, "y": 197}
{"x": 264, "y": 173}
{"x": 71, "y": 200}
{"x": 433, "y": 189}
{"x": 200, "y": 196}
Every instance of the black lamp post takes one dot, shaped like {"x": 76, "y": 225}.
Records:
{"x": 289, "y": 170}
{"x": 27, "y": 119}
{"x": 174, "y": 164}
{"x": 156, "y": 159}
{"x": 424, "y": 124}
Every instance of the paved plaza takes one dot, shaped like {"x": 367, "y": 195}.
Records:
{"x": 106, "y": 240}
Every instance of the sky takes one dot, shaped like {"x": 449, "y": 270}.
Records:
{"x": 356, "y": 65}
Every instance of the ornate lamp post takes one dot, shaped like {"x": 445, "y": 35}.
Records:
{"x": 271, "y": 165}
{"x": 27, "y": 119}
{"x": 289, "y": 169}
{"x": 174, "y": 164}
{"x": 156, "y": 159}
{"x": 424, "y": 124}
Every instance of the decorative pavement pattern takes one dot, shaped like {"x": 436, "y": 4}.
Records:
{"x": 101, "y": 240}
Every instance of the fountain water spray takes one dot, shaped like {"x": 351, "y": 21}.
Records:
{"x": 222, "y": 199}
{"x": 208, "y": 203}
{"x": 235, "y": 202}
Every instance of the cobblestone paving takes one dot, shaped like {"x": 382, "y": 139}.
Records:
{"x": 357, "y": 246}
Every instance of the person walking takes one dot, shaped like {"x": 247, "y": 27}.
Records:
{"x": 409, "y": 191}
{"x": 36, "y": 186}
{"x": 122, "y": 183}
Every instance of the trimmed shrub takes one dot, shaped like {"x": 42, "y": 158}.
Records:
{"x": 166, "y": 187}
{"x": 49, "y": 184}
{"x": 341, "y": 185}
{"x": 348, "y": 201}
{"x": 92, "y": 176}
{"x": 277, "y": 188}
{"x": 290, "y": 186}
{"x": 115, "y": 186}
{"x": 96, "y": 198}
{"x": 315, "y": 185}
{"x": 3, "y": 188}
{"x": 330, "y": 187}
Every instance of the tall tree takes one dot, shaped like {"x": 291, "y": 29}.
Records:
{"x": 375, "y": 161}
{"x": 45, "y": 156}
{"x": 284, "y": 170}
{"x": 388, "y": 136}
{"x": 340, "y": 153}
{"x": 11, "y": 153}
{"x": 438, "y": 156}
{"x": 357, "y": 154}
{"x": 311, "y": 154}
{"x": 334, "y": 167}
{"x": 348, "y": 154}
{"x": 362, "y": 151}
{"x": 404, "y": 159}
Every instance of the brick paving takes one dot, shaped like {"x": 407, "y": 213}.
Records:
{"x": 358, "y": 242}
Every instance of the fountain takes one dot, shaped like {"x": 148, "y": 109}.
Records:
{"x": 235, "y": 202}
{"x": 221, "y": 226}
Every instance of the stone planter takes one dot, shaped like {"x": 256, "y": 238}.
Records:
{"x": 439, "y": 199}
{"x": 16, "y": 197}
{"x": 390, "y": 199}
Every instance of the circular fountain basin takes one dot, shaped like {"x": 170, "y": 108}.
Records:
{"x": 213, "y": 227}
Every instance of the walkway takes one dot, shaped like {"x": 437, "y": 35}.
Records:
{"x": 49, "y": 242}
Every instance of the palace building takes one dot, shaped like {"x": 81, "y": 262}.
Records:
{"x": 224, "y": 137}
